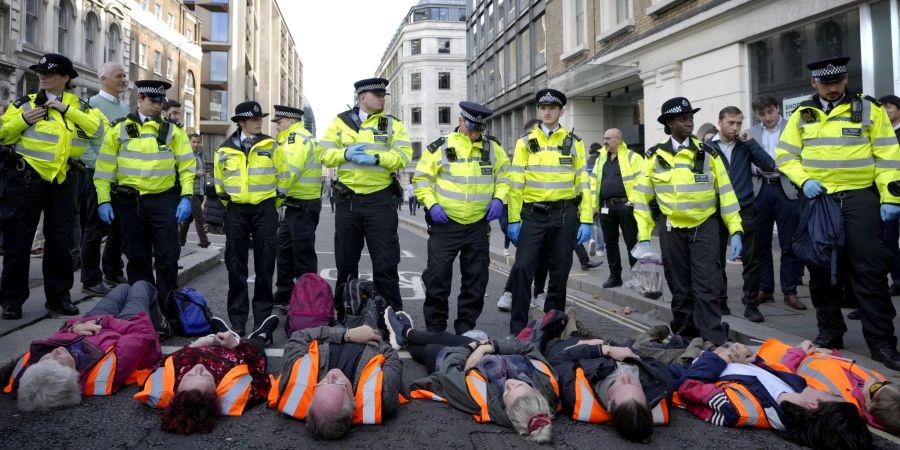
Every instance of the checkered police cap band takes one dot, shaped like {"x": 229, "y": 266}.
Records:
{"x": 246, "y": 114}
{"x": 288, "y": 115}
{"x": 549, "y": 98}
{"x": 151, "y": 90}
{"x": 470, "y": 117}
{"x": 829, "y": 70}
{"x": 371, "y": 87}
{"x": 676, "y": 110}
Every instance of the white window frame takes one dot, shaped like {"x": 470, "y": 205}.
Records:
{"x": 157, "y": 62}
{"x": 170, "y": 69}
{"x": 571, "y": 47}
{"x": 867, "y": 47}
{"x": 142, "y": 55}
{"x": 610, "y": 27}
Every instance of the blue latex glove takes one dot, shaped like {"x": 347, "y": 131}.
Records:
{"x": 184, "y": 210}
{"x": 364, "y": 159}
{"x": 890, "y": 211}
{"x": 812, "y": 188}
{"x": 512, "y": 232}
{"x": 105, "y": 212}
{"x": 584, "y": 233}
{"x": 494, "y": 209}
{"x": 437, "y": 214}
{"x": 353, "y": 150}
{"x": 737, "y": 245}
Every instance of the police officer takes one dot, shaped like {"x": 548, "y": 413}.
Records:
{"x": 687, "y": 177}
{"x": 251, "y": 178}
{"x": 841, "y": 143}
{"x": 549, "y": 205}
{"x": 462, "y": 180}
{"x": 297, "y": 231}
{"x": 47, "y": 130}
{"x": 147, "y": 165}
{"x": 367, "y": 146}
{"x": 615, "y": 173}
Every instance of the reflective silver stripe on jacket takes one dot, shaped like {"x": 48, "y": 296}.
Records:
{"x": 684, "y": 206}
{"x": 147, "y": 156}
{"x": 838, "y": 164}
{"x": 550, "y": 184}
{"x": 260, "y": 187}
{"x": 835, "y": 141}
{"x": 146, "y": 172}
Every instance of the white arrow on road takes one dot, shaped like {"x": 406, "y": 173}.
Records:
{"x": 411, "y": 286}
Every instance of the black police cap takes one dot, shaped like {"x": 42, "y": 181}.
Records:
{"x": 153, "y": 88}
{"x": 371, "y": 85}
{"x": 674, "y": 107}
{"x": 247, "y": 110}
{"x": 54, "y": 63}
{"x": 287, "y": 112}
{"x": 550, "y": 97}
{"x": 829, "y": 70}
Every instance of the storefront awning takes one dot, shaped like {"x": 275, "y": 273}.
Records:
{"x": 592, "y": 78}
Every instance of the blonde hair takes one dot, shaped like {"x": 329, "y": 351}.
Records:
{"x": 523, "y": 409}
{"x": 48, "y": 385}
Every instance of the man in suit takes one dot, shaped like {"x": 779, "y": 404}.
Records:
{"x": 776, "y": 203}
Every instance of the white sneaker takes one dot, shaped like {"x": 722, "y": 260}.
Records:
{"x": 538, "y": 302}
{"x": 505, "y": 252}
{"x": 601, "y": 252}
{"x": 592, "y": 248}
{"x": 505, "y": 302}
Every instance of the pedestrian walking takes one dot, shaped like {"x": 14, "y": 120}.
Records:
{"x": 367, "y": 146}
{"x": 197, "y": 199}
{"x": 411, "y": 197}
{"x": 841, "y": 143}
{"x": 251, "y": 178}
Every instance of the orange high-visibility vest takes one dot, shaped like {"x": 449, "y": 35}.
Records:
{"x": 772, "y": 351}
{"x": 17, "y": 371}
{"x": 301, "y": 385}
{"x": 100, "y": 380}
{"x": 588, "y": 409}
{"x": 233, "y": 391}
{"x": 750, "y": 411}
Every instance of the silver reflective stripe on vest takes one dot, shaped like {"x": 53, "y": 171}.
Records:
{"x": 482, "y": 179}
{"x": 146, "y": 172}
{"x": 148, "y": 156}
{"x": 725, "y": 189}
{"x": 641, "y": 207}
{"x": 232, "y": 189}
{"x": 423, "y": 184}
{"x": 549, "y": 169}
{"x": 327, "y": 144}
{"x": 106, "y": 157}
{"x": 671, "y": 188}
{"x": 516, "y": 168}
{"x": 789, "y": 147}
{"x": 104, "y": 175}
{"x": 310, "y": 179}
{"x": 884, "y": 141}
{"x": 156, "y": 387}
{"x": 260, "y": 187}
{"x": 807, "y": 370}
{"x": 683, "y": 206}
{"x": 550, "y": 184}
{"x": 369, "y": 402}
{"x": 587, "y": 402}
{"x": 261, "y": 171}
{"x": 658, "y": 417}
{"x": 644, "y": 189}
{"x": 44, "y": 156}
{"x": 732, "y": 208}
{"x": 354, "y": 166}
{"x": 105, "y": 374}
{"x": 302, "y": 377}
{"x": 419, "y": 173}
{"x": 100, "y": 131}
{"x": 185, "y": 157}
{"x": 18, "y": 369}
{"x": 31, "y": 133}
{"x": 463, "y": 197}
{"x": 481, "y": 388}
{"x": 231, "y": 173}
{"x": 838, "y": 164}
{"x": 883, "y": 164}
{"x": 748, "y": 405}
{"x": 835, "y": 141}
{"x": 79, "y": 142}
{"x": 235, "y": 392}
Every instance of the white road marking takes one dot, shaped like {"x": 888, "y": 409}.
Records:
{"x": 270, "y": 352}
{"x": 411, "y": 286}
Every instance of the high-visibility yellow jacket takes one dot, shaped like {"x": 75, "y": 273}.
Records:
{"x": 152, "y": 157}
{"x": 544, "y": 171}
{"x": 630, "y": 165}
{"x": 304, "y": 161}
{"x": 254, "y": 176}
{"x": 841, "y": 153}
{"x": 384, "y": 136}
{"x": 48, "y": 144}
{"x": 462, "y": 176}
{"x": 686, "y": 197}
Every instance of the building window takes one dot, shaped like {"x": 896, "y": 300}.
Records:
{"x": 443, "y": 115}
{"x": 112, "y": 42}
{"x": 443, "y": 45}
{"x": 460, "y": 14}
{"x": 157, "y": 62}
{"x": 142, "y": 55}
{"x": 170, "y": 66}
{"x": 189, "y": 84}
{"x": 157, "y": 10}
{"x": 218, "y": 27}
{"x": 189, "y": 32}
{"x": 415, "y": 115}
{"x": 511, "y": 62}
{"x": 540, "y": 43}
{"x": 31, "y": 21}
{"x": 218, "y": 105}
{"x": 170, "y": 20}
{"x": 502, "y": 63}
{"x": 580, "y": 22}
{"x": 415, "y": 47}
{"x": 90, "y": 35}
{"x": 443, "y": 80}
{"x": 415, "y": 81}
{"x": 145, "y": 5}
{"x": 218, "y": 66}
{"x": 623, "y": 11}
{"x": 524, "y": 55}
{"x": 417, "y": 150}
{"x": 63, "y": 25}
{"x": 188, "y": 113}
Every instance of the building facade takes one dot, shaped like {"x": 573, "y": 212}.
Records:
{"x": 165, "y": 43}
{"x": 89, "y": 32}
{"x": 425, "y": 64}
{"x": 506, "y": 43}
{"x": 248, "y": 54}
{"x": 620, "y": 60}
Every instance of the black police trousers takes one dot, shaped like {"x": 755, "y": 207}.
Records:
{"x": 692, "y": 269}
{"x": 29, "y": 195}
{"x": 94, "y": 232}
{"x": 866, "y": 261}
{"x": 472, "y": 244}
{"x": 618, "y": 217}
{"x": 246, "y": 224}
{"x": 296, "y": 246}
{"x": 369, "y": 219}
{"x": 557, "y": 231}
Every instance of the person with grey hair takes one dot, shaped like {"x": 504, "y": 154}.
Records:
{"x": 92, "y": 355}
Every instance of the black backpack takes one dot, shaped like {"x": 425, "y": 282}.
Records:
{"x": 354, "y": 294}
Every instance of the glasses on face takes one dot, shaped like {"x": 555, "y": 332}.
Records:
{"x": 877, "y": 387}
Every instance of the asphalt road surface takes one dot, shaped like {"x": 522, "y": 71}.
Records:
{"x": 121, "y": 422}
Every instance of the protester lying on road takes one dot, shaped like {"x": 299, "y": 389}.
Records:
{"x": 731, "y": 387}
{"x": 510, "y": 383}
{"x": 216, "y": 375}
{"x": 92, "y": 355}
{"x": 600, "y": 382}
{"x": 330, "y": 377}
{"x": 876, "y": 399}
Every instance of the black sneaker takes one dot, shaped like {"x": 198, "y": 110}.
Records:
{"x": 751, "y": 312}
{"x": 164, "y": 330}
{"x": 218, "y": 325}
{"x": 63, "y": 308}
{"x": 266, "y": 330}
{"x": 100, "y": 289}
{"x": 398, "y": 324}
{"x": 613, "y": 281}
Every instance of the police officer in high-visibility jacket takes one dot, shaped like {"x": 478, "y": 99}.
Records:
{"x": 841, "y": 143}
{"x": 47, "y": 131}
{"x": 615, "y": 173}
{"x": 463, "y": 182}
{"x": 297, "y": 230}
{"x": 689, "y": 181}
{"x": 549, "y": 205}
{"x": 367, "y": 146}
{"x": 146, "y": 164}
{"x": 251, "y": 179}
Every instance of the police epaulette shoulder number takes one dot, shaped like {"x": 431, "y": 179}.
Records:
{"x": 432, "y": 147}
{"x": 709, "y": 149}
{"x": 872, "y": 99}
{"x": 575, "y": 136}
{"x": 651, "y": 151}
{"x": 22, "y": 100}
{"x": 117, "y": 121}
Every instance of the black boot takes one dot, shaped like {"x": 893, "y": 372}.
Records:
{"x": 751, "y": 312}
{"x": 828, "y": 341}
{"x": 614, "y": 280}
{"x": 887, "y": 355}
{"x": 62, "y": 308}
